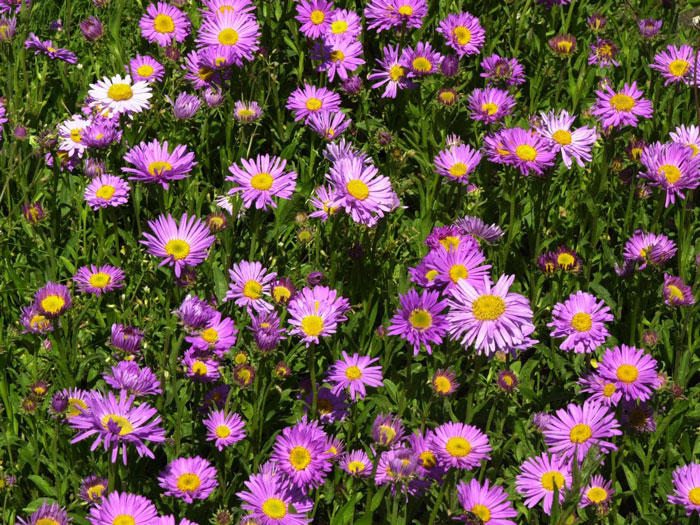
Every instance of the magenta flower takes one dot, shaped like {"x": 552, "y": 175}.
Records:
{"x": 99, "y": 280}
{"x": 300, "y": 453}
{"x": 580, "y": 319}
{"x": 315, "y": 312}
{"x": 106, "y": 190}
{"x": 314, "y": 17}
{"x": 154, "y": 163}
{"x": 460, "y": 446}
{"x": 539, "y": 475}
{"x": 672, "y": 167}
{"x": 686, "y": 485}
{"x": 526, "y": 150}
{"x": 676, "y": 64}
{"x": 603, "y": 53}
{"x": 46, "y": 48}
{"x": 463, "y": 33}
{"x": 501, "y": 70}
{"x": 355, "y": 373}
{"x": 576, "y": 144}
{"x": 164, "y": 23}
{"x": 217, "y": 336}
{"x": 188, "y": 479}
{"x": 676, "y": 292}
{"x": 329, "y": 124}
{"x": 224, "y": 429}
{"x": 239, "y": 32}
{"x": 420, "y": 319}
{"x": 127, "y": 375}
{"x": 392, "y": 74}
{"x": 421, "y": 60}
{"x": 387, "y": 14}
{"x": 603, "y": 391}
{"x": 688, "y": 135}
{"x": 145, "y": 68}
{"x": 272, "y": 500}
{"x": 249, "y": 283}
{"x": 633, "y": 371}
{"x": 490, "y": 104}
{"x": 621, "y": 108}
{"x": 339, "y": 55}
{"x": 52, "y": 299}
{"x": 357, "y": 464}
{"x": 460, "y": 264}
{"x": 597, "y": 492}
{"x": 310, "y": 99}
{"x": 260, "y": 179}
{"x": 488, "y": 503}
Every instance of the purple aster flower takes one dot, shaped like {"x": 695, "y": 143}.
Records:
{"x": 185, "y": 106}
{"x": 180, "y": 245}
{"x": 300, "y": 454}
{"x": 354, "y": 372}
{"x": 507, "y": 380}
{"x": 649, "y": 27}
{"x": 357, "y": 464}
{"x": 224, "y": 429}
{"x": 315, "y": 312}
{"x": 249, "y": 283}
{"x": 314, "y": 17}
{"x": 621, "y": 108}
{"x": 52, "y": 299}
{"x": 214, "y": 97}
{"x": 603, "y": 53}
{"x": 576, "y": 144}
{"x": 688, "y": 135}
{"x": 199, "y": 73}
{"x": 215, "y": 398}
{"x": 423, "y": 447}
{"x": 154, "y": 163}
{"x": 527, "y": 151}
{"x": 283, "y": 290}
{"x": 460, "y": 446}
{"x": 631, "y": 370}
{"x": 387, "y": 430}
{"x": 126, "y": 338}
{"x": 91, "y": 279}
{"x": 676, "y": 292}
{"x": 334, "y": 152}
{"x": 463, "y": 263}
{"x": 502, "y": 70}
{"x": 46, "y": 47}
{"x": 117, "y": 422}
{"x": 238, "y": 31}
{"x": 217, "y": 335}
{"x": 194, "y": 313}
{"x": 449, "y": 65}
{"x": 345, "y": 23}
{"x": 329, "y": 124}
{"x": 266, "y": 330}
{"x": 421, "y": 60}
{"x": 686, "y": 485}
{"x": 361, "y": 191}
{"x": 145, "y": 68}
{"x": 387, "y": 14}
{"x": 93, "y": 489}
{"x": 339, "y": 55}
{"x": 392, "y": 74}
{"x": 213, "y": 8}
{"x": 127, "y": 375}
{"x": 463, "y": 33}
{"x": 563, "y": 45}
{"x": 8, "y": 28}
{"x": 200, "y": 368}
{"x": 478, "y": 229}
{"x": 538, "y": 477}
{"x": 488, "y": 503}
{"x": 272, "y": 500}
{"x": 597, "y": 492}
{"x": 449, "y": 237}
{"x": 310, "y": 99}
{"x": 676, "y": 64}
{"x": 603, "y": 391}
{"x": 645, "y": 247}
{"x": 46, "y": 514}
{"x": 94, "y": 168}
{"x": 188, "y": 479}
{"x": 123, "y": 508}
{"x": 260, "y": 179}
{"x": 444, "y": 382}
{"x": 244, "y": 375}
{"x": 400, "y": 468}
{"x": 580, "y": 319}
{"x": 101, "y": 133}
{"x": 596, "y": 22}
{"x": 34, "y": 321}
{"x": 420, "y": 319}
{"x": 638, "y": 417}
{"x": 71, "y": 135}
{"x": 490, "y": 104}
{"x": 574, "y": 430}
{"x": 331, "y": 406}
{"x": 671, "y": 166}
{"x": 246, "y": 112}
{"x": 117, "y": 95}
{"x": 163, "y": 23}
{"x": 91, "y": 28}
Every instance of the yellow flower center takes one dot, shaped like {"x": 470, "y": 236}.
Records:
{"x": 622, "y": 102}
{"x": 324, "y": 406}
{"x": 405, "y": 10}
{"x": 458, "y": 447}
{"x": 564, "y": 46}
{"x": 252, "y": 289}
{"x": 357, "y": 189}
{"x": 157, "y": 168}
{"x": 95, "y": 492}
{"x": 300, "y": 458}
{"x": 210, "y": 335}
{"x": 431, "y": 275}
{"x": 462, "y": 35}
{"x": 356, "y": 466}
{"x": 549, "y": 479}
{"x": 244, "y": 375}
{"x": 144, "y": 70}
{"x": 695, "y": 149}
{"x": 40, "y": 320}
{"x": 52, "y": 304}
{"x": 562, "y": 136}
{"x": 396, "y": 72}
{"x": 627, "y": 373}
{"x": 447, "y": 97}
{"x": 675, "y": 292}
{"x": 428, "y": 459}
{"x": 582, "y": 322}
{"x": 274, "y": 508}
{"x": 339, "y": 27}
{"x": 489, "y": 108}
{"x": 597, "y": 494}
{"x": 312, "y": 325}
{"x": 105, "y": 192}
{"x": 245, "y": 113}
{"x": 177, "y": 249}
{"x": 124, "y": 519}
{"x": 120, "y": 92}
{"x": 442, "y": 384}
{"x": 240, "y": 358}
{"x": 75, "y": 406}
{"x": 228, "y": 37}
{"x": 199, "y": 368}
{"x": 459, "y": 169}
{"x": 449, "y": 242}
{"x": 205, "y": 73}
{"x": 100, "y": 280}
{"x": 164, "y": 24}
{"x": 609, "y": 389}
{"x": 678, "y": 67}
{"x": 526, "y": 152}
{"x": 222, "y": 431}
{"x": 188, "y": 482}
{"x": 386, "y": 434}
{"x": 317, "y": 17}
{"x": 580, "y": 433}
{"x": 47, "y": 521}
{"x": 457, "y": 272}
{"x": 482, "y": 512}
{"x": 353, "y": 373}
{"x": 281, "y": 294}
{"x": 262, "y": 181}
{"x": 420, "y": 319}
{"x": 337, "y": 56}
{"x": 488, "y": 307}
{"x": 694, "y": 496}
{"x": 314, "y": 104}
{"x": 565, "y": 260}
{"x": 76, "y": 135}
{"x": 422, "y": 64}
{"x": 671, "y": 172}
{"x": 508, "y": 380}
{"x": 124, "y": 424}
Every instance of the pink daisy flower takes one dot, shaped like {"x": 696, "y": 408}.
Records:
{"x": 260, "y": 179}
{"x": 621, "y": 108}
{"x": 463, "y": 33}
{"x": 163, "y": 23}
{"x": 250, "y": 282}
{"x": 632, "y": 371}
{"x": 355, "y": 373}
